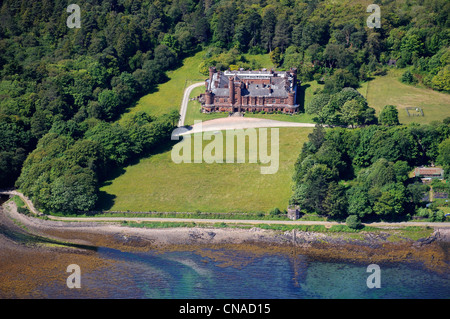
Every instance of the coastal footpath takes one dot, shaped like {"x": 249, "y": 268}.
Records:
{"x": 36, "y": 212}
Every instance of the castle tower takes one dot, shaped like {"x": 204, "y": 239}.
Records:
{"x": 208, "y": 98}
{"x": 291, "y": 98}
{"x": 231, "y": 90}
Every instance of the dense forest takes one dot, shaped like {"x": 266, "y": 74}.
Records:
{"x": 62, "y": 89}
{"x": 365, "y": 171}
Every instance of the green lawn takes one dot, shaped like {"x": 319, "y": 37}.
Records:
{"x": 158, "y": 184}
{"x": 385, "y": 90}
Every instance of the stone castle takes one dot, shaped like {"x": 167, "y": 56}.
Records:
{"x": 247, "y": 91}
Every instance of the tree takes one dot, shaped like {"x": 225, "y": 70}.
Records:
{"x": 165, "y": 57}
{"x": 281, "y": 38}
{"x": 337, "y": 56}
{"x": 358, "y": 201}
{"x": 109, "y": 103}
{"x": 248, "y": 32}
{"x": 74, "y": 191}
{"x": 269, "y": 22}
{"x": 408, "y": 77}
{"x": 309, "y": 192}
{"x": 441, "y": 81}
{"x": 379, "y": 174}
{"x": 317, "y": 103}
{"x": 317, "y": 137}
{"x": 416, "y": 192}
{"x": 353, "y": 222}
{"x": 401, "y": 171}
{"x": 389, "y": 115}
{"x": 86, "y": 154}
{"x": 391, "y": 203}
{"x": 335, "y": 202}
{"x": 223, "y": 25}
{"x": 352, "y": 112}
{"x": 332, "y": 155}
{"x": 276, "y": 57}
{"x": 114, "y": 140}
{"x": 444, "y": 156}
{"x": 293, "y": 57}
{"x": 340, "y": 79}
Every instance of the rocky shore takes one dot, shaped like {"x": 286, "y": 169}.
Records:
{"x": 110, "y": 233}
{"x": 43, "y": 246}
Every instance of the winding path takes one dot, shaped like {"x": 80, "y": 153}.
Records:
{"x": 185, "y": 102}
{"x": 236, "y": 123}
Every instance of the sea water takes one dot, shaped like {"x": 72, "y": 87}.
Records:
{"x": 191, "y": 275}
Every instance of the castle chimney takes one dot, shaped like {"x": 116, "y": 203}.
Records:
{"x": 294, "y": 74}
{"x": 212, "y": 70}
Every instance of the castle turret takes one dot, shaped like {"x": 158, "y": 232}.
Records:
{"x": 208, "y": 98}
{"x": 291, "y": 98}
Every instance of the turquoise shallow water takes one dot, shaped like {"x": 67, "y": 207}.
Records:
{"x": 180, "y": 275}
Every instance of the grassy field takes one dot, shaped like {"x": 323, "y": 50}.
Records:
{"x": 385, "y": 90}
{"x": 158, "y": 184}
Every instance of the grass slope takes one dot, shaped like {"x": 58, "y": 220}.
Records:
{"x": 158, "y": 184}
{"x": 385, "y": 90}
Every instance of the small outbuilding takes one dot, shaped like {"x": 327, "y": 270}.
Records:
{"x": 429, "y": 173}
{"x": 293, "y": 212}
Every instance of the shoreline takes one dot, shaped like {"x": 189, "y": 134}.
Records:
{"x": 35, "y": 252}
{"x": 373, "y": 245}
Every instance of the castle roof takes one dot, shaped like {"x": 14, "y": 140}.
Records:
{"x": 275, "y": 84}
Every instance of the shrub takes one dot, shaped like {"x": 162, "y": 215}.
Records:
{"x": 23, "y": 210}
{"x": 353, "y": 222}
{"x": 408, "y": 77}
{"x": 275, "y": 212}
